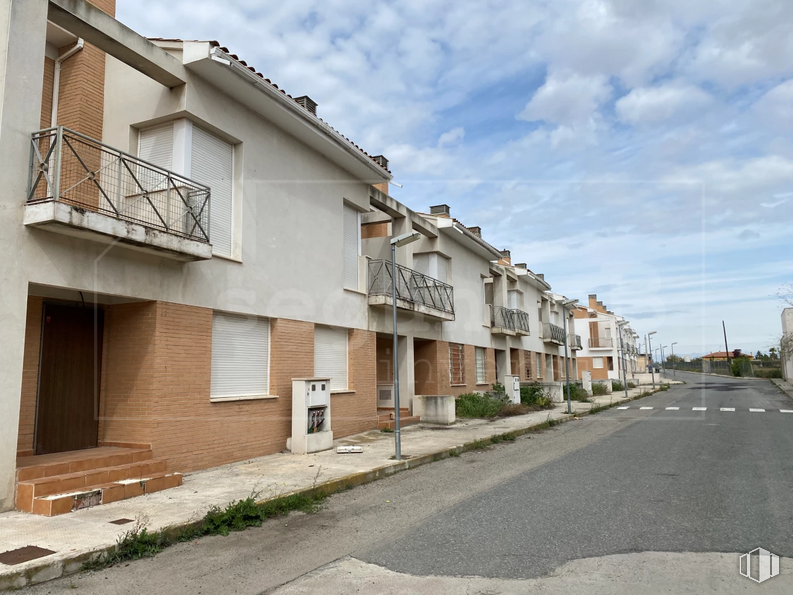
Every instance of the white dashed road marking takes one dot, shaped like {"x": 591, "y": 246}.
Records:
{"x": 786, "y": 410}
{"x": 673, "y": 408}
{"x": 623, "y": 407}
{"x": 727, "y": 409}
{"x": 699, "y": 408}
{"x": 756, "y": 410}
{"x": 645, "y": 407}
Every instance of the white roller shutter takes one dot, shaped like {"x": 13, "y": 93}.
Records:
{"x": 352, "y": 233}
{"x": 240, "y": 355}
{"x": 513, "y": 298}
{"x": 212, "y": 164}
{"x": 330, "y": 355}
{"x": 155, "y": 145}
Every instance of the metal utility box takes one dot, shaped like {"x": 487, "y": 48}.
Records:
{"x": 512, "y": 388}
{"x": 310, "y": 416}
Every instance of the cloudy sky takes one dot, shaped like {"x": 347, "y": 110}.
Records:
{"x": 637, "y": 149}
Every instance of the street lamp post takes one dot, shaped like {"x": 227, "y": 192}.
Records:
{"x": 663, "y": 361}
{"x": 650, "y": 354}
{"x": 624, "y": 368}
{"x": 566, "y": 362}
{"x": 674, "y": 371}
{"x": 398, "y": 241}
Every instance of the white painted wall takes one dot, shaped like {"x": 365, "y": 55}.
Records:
{"x": 787, "y": 338}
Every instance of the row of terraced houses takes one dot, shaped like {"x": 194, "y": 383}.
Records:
{"x": 182, "y": 239}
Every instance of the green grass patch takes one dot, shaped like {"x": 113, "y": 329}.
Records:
{"x": 387, "y": 430}
{"x": 477, "y": 405}
{"x": 768, "y": 373}
{"x": 139, "y": 542}
{"x": 598, "y": 389}
{"x": 616, "y": 385}
{"x": 631, "y": 385}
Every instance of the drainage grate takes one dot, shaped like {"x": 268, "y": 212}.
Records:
{"x": 23, "y": 554}
{"x": 120, "y": 521}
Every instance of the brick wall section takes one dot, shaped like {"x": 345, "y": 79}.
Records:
{"x": 490, "y": 365}
{"x": 30, "y": 377}
{"x": 46, "y": 94}
{"x": 355, "y": 412}
{"x": 374, "y": 230}
{"x": 585, "y": 363}
{"x": 443, "y": 384}
{"x": 129, "y": 384}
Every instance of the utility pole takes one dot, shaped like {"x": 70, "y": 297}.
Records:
{"x": 650, "y": 352}
{"x": 726, "y": 349}
{"x": 674, "y": 371}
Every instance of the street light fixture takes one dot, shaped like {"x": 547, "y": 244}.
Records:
{"x": 650, "y": 355}
{"x": 674, "y": 371}
{"x": 565, "y": 304}
{"x": 663, "y": 361}
{"x": 398, "y": 241}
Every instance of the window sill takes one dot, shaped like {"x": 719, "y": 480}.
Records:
{"x": 342, "y": 392}
{"x": 242, "y": 398}
{"x": 358, "y": 291}
{"x": 482, "y": 384}
{"x": 458, "y": 385}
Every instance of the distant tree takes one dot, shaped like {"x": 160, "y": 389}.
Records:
{"x": 773, "y": 353}
{"x": 758, "y": 355}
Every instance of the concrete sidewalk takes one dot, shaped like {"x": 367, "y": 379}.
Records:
{"x": 83, "y": 534}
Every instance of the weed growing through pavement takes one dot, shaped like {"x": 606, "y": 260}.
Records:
{"x": 139, "y": 542}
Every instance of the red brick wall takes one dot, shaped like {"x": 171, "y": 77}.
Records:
{"x": 356, "y": 411}
{"x": 425, "y": 367}
{"x": 374, "y": 230}
{"x": 129, "y": 384}
{"x": 30, "y": 377}
{"x": 444, "y": 385}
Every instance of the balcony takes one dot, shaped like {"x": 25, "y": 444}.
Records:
{"x": 81, "y": 187}
{"x": 415, "y": 291}
{"x": 502, "y": 321}
{"x": 552, "y": 333}
{"x": 521, "y": 320}
{"x": 574, "y": 341}
{"x": 601, "y": 343}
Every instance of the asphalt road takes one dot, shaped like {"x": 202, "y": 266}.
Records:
{"x": 629, "y": 500}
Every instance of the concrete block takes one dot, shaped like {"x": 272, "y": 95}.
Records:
{"x": 586, "y": 381}
{"x": 435, "y": 409}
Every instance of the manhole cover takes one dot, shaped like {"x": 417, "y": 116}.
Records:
{"x": 122, "y": 521}
{"x": 23, "y": 554}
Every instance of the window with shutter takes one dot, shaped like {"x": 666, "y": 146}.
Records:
{"x": 443, "y": 269}
{"x": 352, "y": 234}
{"x": 540, "y": 364}
{"x": 155, "y": 145}
{"x": 330, "y": 355}
{"x": 456, "y": 363}
{"x": 481, "y": 369}
{"x": 212, "y": 163}
{"x": 597, "y": 362}
{"x": 527, "y": 359}
{"x": 240, "y": 356}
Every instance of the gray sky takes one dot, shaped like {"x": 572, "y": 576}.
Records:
{"x": 640, "y": 149}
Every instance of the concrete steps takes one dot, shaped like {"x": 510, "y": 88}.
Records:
{"x": 385, "y": 418}
{"x": 59, "y": 484}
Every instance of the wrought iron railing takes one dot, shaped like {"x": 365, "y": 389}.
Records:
{"x": 521, "y": 319}
{"x": 575, "y": 342}
{"x": 71, "y": 168}
{"x": 552, "y": 332}
{"x": 601, "y": 342}
{"x": 501, "y": 317}
{"x": 411, "y": 286}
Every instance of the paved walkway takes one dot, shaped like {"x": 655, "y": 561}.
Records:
{"x": 78, "y": 535}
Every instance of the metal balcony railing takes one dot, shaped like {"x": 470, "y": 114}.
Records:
{"x": 601, "y": 342}
{"x": 575, "y": 342}
{"x": 553, "y": 333}
{"x": 74, "y": 169}
{"x": 501, "y": 317}
{"x": 521, "y": 319}
{"x": 411, "y": 286}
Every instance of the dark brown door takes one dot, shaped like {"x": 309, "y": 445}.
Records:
{"x": 71, "y": 359}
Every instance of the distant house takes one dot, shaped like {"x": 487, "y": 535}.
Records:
{"x": 719, "y": 356}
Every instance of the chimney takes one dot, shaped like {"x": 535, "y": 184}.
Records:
{"x": 477, "y": 231}
{"x": 506, "y": 257}
{"x": 541, "y": 276}
{"x": 593, "y": 300}
{"x": 307, "y": 103}
{"x": 381, "y": 161}
{"x": 441, "y": 210}
{"x": 522, "y": 265}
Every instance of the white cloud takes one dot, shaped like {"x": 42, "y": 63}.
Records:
{"x": 451, "y": 137}
{"x": 775, "y": 108}
{"x": 567, "y": 99}
{"x": 671, "y": 103}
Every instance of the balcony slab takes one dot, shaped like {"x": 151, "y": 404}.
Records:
{"x": 387, "y": 300}
{"x": 83, "y": 223}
